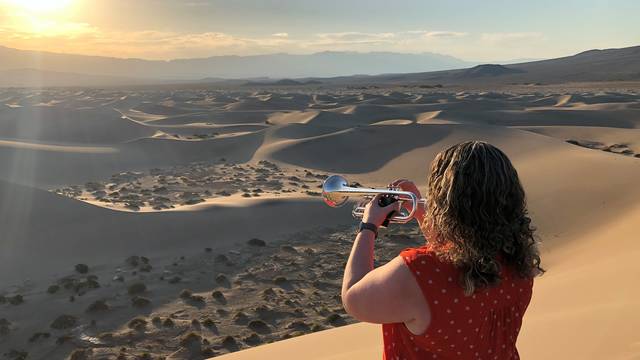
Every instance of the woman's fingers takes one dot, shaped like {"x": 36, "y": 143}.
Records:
{"x": 397, "y": 182}
{"x": 375, "y": 200}
{"x": 405, "y": 185}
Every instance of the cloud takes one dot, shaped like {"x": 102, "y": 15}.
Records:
{"x": 352, "y": 38}
{"x": 195, "y": 3}
{"x": 411, "y": 41}
{"x": 444, "y": 34}
{"x": 510, "y": 36}
{"x": 29, "y": 32}
{"x": 56, "y": 32}
{"x": 68, "y": 37}
{"x": 25, "y": 30}
{"x": 431, "y": 34}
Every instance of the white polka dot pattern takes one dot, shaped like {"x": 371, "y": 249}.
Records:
{"x": 461, "y": 327}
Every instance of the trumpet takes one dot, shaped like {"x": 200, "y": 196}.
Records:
{"x": 336, "y": 191}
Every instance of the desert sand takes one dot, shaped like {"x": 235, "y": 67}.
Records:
{"x": 187, "y": 224}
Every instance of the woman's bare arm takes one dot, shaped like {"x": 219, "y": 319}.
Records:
{"x": 386, "y": 294}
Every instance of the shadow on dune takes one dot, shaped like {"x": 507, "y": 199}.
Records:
{"x": 43, "y": 233}
{"x": 271, "y": 102}
{"x": 53, "y": 168}
{"x": 361, "y": 149}
{"x": 216, "y": 117}
{"x": 301, "y": 131}
{"x": 159, "y": 109}
{"x": 204, "y": 129}
{"x": 59, "y": 124}
{"x": 619, "y": 119}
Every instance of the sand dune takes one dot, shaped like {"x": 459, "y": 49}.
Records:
{"x": 591, "y": 284}
{"x": 630, "y": 137}
{"x": 360, "y": 341}
{"x": 159, "y": 109}
{"x": 300, "y": 131}
{"x": 36, "y": 165}
{"x": 393, "y": 122}
{"x": 51, "y": 230}
{"x": 57, "y": 148}
{"x": 292, "y": 117}
{"x": 210, "y": 182}
{"x": 58, "y": 124}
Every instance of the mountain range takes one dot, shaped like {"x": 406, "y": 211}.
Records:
{"x": 322, "y": 64}
{"x": 21, "y": 68}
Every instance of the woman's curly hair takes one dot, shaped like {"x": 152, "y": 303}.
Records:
{"x": 476, "y": 213}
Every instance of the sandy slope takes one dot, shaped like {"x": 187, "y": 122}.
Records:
{"x": 359, "y": 341}
{"x": 583, "y": 198}
{"x": 585, "y": 307}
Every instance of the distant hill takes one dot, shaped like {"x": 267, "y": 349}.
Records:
{"x": 593, "y": 65}
{"x": 38, "y": 78}
{"x": 323, "y": 64}
{"x": 489, "y": 70}
{"x": 283, "y": 82}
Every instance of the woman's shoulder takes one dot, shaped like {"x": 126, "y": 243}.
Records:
{"x": 424, "y": 260}
{"x": 422, "y": 253}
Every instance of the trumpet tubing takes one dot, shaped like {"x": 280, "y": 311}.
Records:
{"x": 336, "y": 191}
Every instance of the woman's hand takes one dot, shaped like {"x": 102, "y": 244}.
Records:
{"x": 376, "y": 214}
{"x": 406, "y": 185}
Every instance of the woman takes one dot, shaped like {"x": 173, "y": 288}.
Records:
{"x": 463, "y": 294}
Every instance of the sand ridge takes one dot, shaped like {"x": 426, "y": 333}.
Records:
{"x": 195, "y": 183}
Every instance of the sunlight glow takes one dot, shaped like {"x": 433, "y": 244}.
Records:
{"x": 41, "y": 6}
{"x": 29, "y": 19}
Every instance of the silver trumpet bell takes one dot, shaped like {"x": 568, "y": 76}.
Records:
{"x": 336, "y": 191}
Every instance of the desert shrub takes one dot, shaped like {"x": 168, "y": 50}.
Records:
{"x": 64, "y": 322}
{"x": 138, "y": 323}
{"x": 136, "y": 288}
{"x": 139, "y": 301}
{"x": 190, "y": 338}
{"x": 82, "y": 268}
{"x": 97, "y": 306}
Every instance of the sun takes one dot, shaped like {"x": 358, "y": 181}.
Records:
{"x": 40, "y": 17}
{"x": 41, "y": 6}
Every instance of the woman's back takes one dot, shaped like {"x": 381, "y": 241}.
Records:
{"x": 469, "y": 306}
{"x": 484, "y": 325}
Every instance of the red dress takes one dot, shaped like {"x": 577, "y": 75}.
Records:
{"x": 484, "y": 325}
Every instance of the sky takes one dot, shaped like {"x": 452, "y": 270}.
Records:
{"x": 474, "y": 30}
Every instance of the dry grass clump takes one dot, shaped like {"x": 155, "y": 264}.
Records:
{"x": 140, "y": 301}
{"x": 138, "y": 323}
{"x": 82, "y": 268}
{"x": 190, "y": 338}
{"x": 136, "y": 288}
{"x": 64, "y": 322}
{"x": 97, "y": 306}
